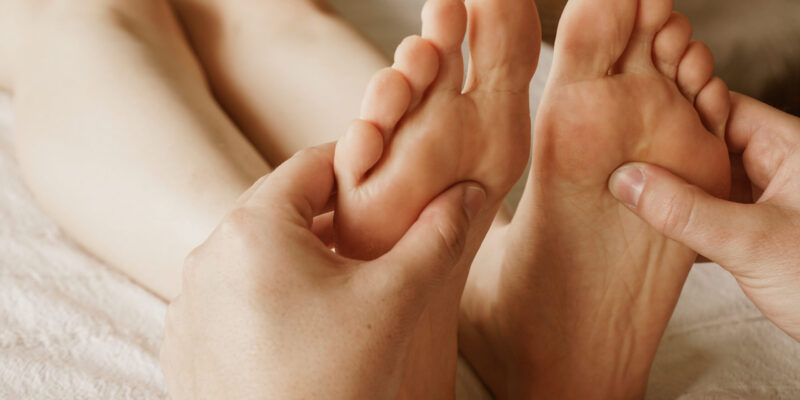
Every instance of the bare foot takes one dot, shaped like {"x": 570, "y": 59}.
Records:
{"x": 426, "y": 131}
{"x": 584, "y": 290}
{"x": 421, "y": 131}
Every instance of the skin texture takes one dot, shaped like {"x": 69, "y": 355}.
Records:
{"x": 137, "y": 160}
{"x": 430, "y": 129}
{"x": 577, "y": 305}
{"x": 755, "y": 240}
{"x": 420, "y": 133}
{"x": 267, "y": 271}
{"x": 118, "y": 135}
{"x": 146, "y": 161}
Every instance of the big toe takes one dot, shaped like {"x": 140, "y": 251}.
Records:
{"x": 592, "y": 35}
{"x": 504, "y": 39}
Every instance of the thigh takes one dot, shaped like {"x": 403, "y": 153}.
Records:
{"x": 120, "y": 138}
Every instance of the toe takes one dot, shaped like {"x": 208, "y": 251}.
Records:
{"x": 418, "y": 61}
{"x": 670, "y": 44}
{"x": 714, "y": 105}
{"x": 504, "y": 41}
{"x": 591, "y": 37}
{"x": 444, "y": 23}
{"x": 356, "y": 153}
{"x": 651, "y": 16}
{"x": 386, "y": 100}
{"x": 695, "y": 69}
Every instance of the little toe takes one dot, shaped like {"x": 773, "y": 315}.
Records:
{"x": 714, "y": 105}
{"x": 357, "y": 152}
{"x": 591, "y": 37}
{"x": 444, "y": 24}
{"x": 418, "y": 61}
{"x": 651, "y": 16}
{"x": 670, "y": 44}
{"x": 504, "y": 41}
{"x": 695, "y": 70}
{"x": 386, "y": 100}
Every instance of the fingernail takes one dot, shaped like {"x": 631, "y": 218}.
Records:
{"x": 474, "y": 197}
{"x": 626, "y": 185}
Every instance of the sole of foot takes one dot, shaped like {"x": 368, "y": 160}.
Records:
{"x": 424, "y": 128}
{"x": 578, "y": 301}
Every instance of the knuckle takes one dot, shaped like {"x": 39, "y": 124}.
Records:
{"x": 678, "y": 212}
{"x": 312, "y": 153}
{"x": 236, "y": 223}
{"x": 240, "y": 231}
{"x": 451, "y": 237}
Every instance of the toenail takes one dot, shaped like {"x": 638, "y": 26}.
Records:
{"x": 627, "y": 184}
{"x": 474, "y": 197}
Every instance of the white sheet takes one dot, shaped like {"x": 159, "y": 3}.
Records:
{"x": 70, "y": 327}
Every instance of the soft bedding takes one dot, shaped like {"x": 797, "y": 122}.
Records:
{"x": 73, "y": 328}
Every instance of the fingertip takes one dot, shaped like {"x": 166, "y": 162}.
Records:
{"x": 627, "y": 183}
{"x": 464, "y": 200}
{"x": 306, "y": 181}
{"x": 473, "y": 199}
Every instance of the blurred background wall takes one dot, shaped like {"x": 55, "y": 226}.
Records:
{"x": 756, "y": 43}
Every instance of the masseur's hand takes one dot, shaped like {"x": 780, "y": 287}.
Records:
{"x": 268, "y": 311}
{"x": 759, "y": 243}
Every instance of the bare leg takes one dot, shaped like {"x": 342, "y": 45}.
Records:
{"x": 271, "y": 61}
{"x": 119, "y": 137}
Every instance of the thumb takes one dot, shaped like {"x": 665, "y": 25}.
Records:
{"x": 717, "y": 229}
{"x": 434, "y": 245}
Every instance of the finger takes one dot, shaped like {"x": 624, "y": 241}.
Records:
{"x": 304, "y": 183}
{"x": 245, "y": 197}
{"x": 741, "y": 187}
{"x": 766, "y": 137}
{"x": 750, "y": 117}
{"x": 718, "y": 229}
{"x": 436, "y": 241}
